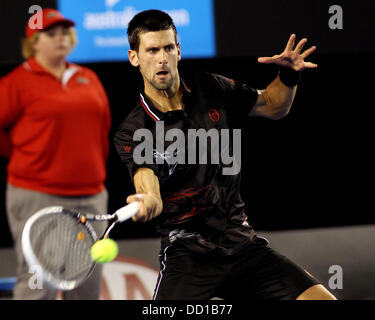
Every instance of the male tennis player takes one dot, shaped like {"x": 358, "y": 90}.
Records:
{"x": 208, "y": 248}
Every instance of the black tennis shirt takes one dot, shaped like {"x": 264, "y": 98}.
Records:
{"x": 202, "y": 207}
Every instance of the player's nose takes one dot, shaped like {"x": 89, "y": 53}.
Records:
{"x": 163, "y": 57}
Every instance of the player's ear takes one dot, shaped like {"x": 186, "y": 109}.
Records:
{"x": 133, "y": 58}
{"x": 179, "y": 51}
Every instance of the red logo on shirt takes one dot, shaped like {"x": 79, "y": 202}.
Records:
{"x": 127, "y": 148}
{"x": 214, "y": 115}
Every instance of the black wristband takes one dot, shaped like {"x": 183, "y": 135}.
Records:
{"x": 289, "y": 77}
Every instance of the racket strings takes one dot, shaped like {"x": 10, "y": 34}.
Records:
{"x": 62, "y": 246}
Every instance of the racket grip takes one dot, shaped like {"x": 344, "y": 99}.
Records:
{"x": 127, "y": 211}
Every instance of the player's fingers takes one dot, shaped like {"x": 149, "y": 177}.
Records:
{"x": 307, "y": 52}
{"x": 265, "y": 60}
{"x": 268, "y": 60}
{"x": 300, "y": 45}
{"x": 140, "y": 216}
{"x": 135, "y": 197}
{"x": 290, "y": 44}
{"x": 310, "y": 65}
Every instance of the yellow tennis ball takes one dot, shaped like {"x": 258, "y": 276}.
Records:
{"x": 104, "y": 251}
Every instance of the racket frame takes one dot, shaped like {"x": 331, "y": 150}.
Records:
{"x": 119, "y": 216}
{"x": 33, "y": 261}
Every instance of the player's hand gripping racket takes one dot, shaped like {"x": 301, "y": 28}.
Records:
{"x": 59, "y": 241}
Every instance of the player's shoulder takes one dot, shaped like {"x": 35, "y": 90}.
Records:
{"x": 213, "y": 83}
{"x": 134, "y": 120}
{"x": 136, "y": 114}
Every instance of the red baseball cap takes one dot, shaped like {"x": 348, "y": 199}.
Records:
{"x": 44, "y": 19}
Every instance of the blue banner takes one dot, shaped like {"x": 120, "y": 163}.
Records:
{"x": 101, "y": 26}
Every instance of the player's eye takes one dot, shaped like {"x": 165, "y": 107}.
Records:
{"x": 153, "y": 50}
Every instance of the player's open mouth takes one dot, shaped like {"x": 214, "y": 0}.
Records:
{"x": 162, "y": 74}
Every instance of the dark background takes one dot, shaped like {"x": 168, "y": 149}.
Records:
{"x": 313, "y": 168}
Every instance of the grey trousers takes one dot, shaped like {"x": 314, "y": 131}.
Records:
{"x": 23, "y": 203}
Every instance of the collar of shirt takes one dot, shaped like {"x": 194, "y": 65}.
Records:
{"x": 154, "y": 112}
{"x": 32, "y": 65}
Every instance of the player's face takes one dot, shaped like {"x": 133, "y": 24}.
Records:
{"x": 53, "y": 43}
{"x": 158, "y": 57}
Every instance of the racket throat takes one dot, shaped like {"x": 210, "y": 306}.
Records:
{"x": 106, "y": 233}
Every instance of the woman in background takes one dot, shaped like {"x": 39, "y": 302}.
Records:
{"x": 54, "y": 126}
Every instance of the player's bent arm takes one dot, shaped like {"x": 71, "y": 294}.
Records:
{"x": 275, "y": 101}
{"x": 147, "y": 187}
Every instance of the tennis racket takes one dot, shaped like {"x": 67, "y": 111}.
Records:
{"x": 59, "y": 241}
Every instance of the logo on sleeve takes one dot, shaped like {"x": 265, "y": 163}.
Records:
{"x": 127, "y": 148}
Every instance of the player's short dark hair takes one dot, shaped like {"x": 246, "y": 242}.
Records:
{"x": 148, "y": 21}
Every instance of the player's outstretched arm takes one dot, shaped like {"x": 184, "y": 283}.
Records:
{"x": 147, "y": 188}
{"x": 275, "y": 101}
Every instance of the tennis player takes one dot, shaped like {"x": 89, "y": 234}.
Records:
{"x": 208, "y": 248}
{"x": 54, "y": 125}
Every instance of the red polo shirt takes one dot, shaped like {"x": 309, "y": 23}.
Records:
{"x": 58, "y": 129}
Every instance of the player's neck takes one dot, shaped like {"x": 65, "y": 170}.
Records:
{"x": 166, "y": 100}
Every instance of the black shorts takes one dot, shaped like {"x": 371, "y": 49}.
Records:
{"x": 257, "y": 272}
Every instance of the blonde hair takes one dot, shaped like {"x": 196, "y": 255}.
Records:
{"x": 28, "y": 43}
